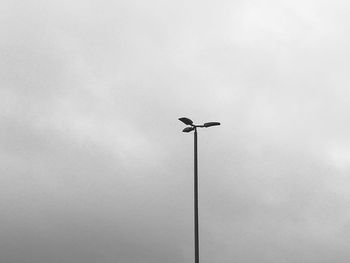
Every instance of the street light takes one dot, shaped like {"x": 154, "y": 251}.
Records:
{"x": 193, "y": 127}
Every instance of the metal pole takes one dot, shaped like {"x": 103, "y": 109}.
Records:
{"x": 196, "y": 232}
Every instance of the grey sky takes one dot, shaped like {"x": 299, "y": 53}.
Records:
{"x": 94, "y": 167}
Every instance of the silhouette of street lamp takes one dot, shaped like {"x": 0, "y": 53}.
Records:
{"x": 193, "y": 127}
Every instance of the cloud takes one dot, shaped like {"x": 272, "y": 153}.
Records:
{"x": 94, "y": 164}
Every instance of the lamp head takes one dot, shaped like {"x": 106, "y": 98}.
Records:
{"x": 188, "y": 129}
{"x": 209, "y": 124}
{"x": 186, "y": 121}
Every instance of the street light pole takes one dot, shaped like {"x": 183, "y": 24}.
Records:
{"x": 196, "y": 231}
{"x": 196, "y": 218}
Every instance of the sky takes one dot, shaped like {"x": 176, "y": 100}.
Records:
{"x": 95, "y": 168}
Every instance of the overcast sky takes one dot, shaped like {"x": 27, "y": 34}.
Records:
{"x": 95, "y": 168}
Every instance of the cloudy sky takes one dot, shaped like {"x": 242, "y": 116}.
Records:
{"x": 95, "y": 168}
